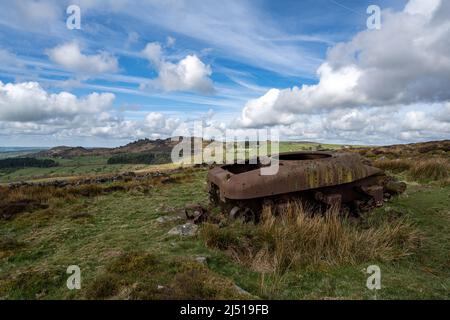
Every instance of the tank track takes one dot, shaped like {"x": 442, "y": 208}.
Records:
{"x": 351, "y": 199}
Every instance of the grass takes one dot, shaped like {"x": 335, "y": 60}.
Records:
{"x": 394, "y": 165}
{"x": 296, "y": 240}
{"x": 77, "y": 166}
{"x": 418, "y": 169}
{"x": 163, "y": 278}
{"x": 433, "y": 169}
{"x": 115, "y": 224}
{"x": 124, "y": 253}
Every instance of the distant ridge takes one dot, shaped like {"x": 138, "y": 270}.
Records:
{"x": 139, "y": 146}
{"x": 166, "y": 145}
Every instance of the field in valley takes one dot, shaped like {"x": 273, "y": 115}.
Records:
{"x": 117, "y": 233}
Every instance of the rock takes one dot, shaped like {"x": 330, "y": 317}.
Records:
{"x": 161, "y": 220}
{"x": 196, "y": 213}
{"x": 165, "y": 219}
{"x": 395, "y": 187}
{"x": 242, "y": 291}
{"x": 188, "y": 229}
{"x": 202, "y": 260}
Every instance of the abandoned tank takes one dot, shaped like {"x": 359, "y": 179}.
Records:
{"x": 319, "y": 179}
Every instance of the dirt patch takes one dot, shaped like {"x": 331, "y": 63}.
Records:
{"x": 11, "y": 209}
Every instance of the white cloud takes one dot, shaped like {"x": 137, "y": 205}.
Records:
{"x": 421, "y": 7}
{"x": 443, "y": 114}
{"x": 27, "y": 109}
{"x": 70, "y": 57}
{"x": 380, "y": 125}
{"x": 189, "y": 74}
{"x": 153, "y": 52}
{"x": 406, "y": 62}
{"x": 258, "y": 112}
{"x": 28, "y": 101}
{"x": 170, "y": 41}
{"x": 157, "y": 123}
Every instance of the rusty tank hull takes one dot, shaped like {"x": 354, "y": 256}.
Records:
{"x": 322, "y": 179}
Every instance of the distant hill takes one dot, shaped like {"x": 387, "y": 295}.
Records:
{"x": 139, "y": 146}
{"x": 161, "y": 146}
{"x": 406, "y": 150}
{"x": 13, "y": 152}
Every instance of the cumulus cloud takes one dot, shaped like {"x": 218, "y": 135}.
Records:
{"x": 443, "y": 114}
{"x": 159, "y": 124}
{"x": 380, "y": 125}
{"x": 28, "y": 109}
{"x": 28, "y": 101}
{"x": 188, "y": 74}
{"x": 404, "y": 63}
{"x": 70, "y": 57}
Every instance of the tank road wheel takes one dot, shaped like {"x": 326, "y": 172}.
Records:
{"x": 235, "y": 212}
{"x": 356, "y": 207}
{"x": 246, "y": 213}
{"x": 332, "y": 201}
{"x": 214, "y": 197}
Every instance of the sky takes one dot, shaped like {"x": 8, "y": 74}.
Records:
{"x": 313, "y": 69}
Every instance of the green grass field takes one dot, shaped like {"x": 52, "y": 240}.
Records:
{"x": 99, "y": 233}
{"x": 78, "y": 166}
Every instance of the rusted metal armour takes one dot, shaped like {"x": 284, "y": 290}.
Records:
{"x": 317, "y": 170}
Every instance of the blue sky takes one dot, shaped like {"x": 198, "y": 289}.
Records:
{"x": 141, "y": 68}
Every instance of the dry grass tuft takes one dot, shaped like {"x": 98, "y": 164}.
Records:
{"x": 431, "y": 169}
{"x": 298, "y": 238}
{"x": 446, "y": 182}
{"x": 396, "y": 165}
